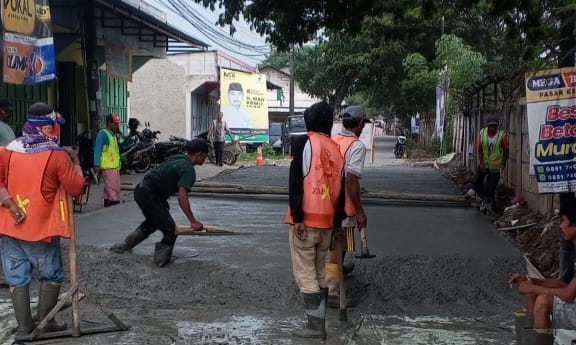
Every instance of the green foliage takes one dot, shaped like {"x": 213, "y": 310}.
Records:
{"x": 267, "y": 153}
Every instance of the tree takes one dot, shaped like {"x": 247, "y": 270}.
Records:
{"x": 295, "y": 21}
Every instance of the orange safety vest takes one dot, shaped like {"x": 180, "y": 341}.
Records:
{"x": 43, "y": 219}
{"x": 344, "y": 142}
{"x": 322, "y": 184}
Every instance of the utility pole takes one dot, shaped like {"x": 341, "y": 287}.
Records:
{"x": 566, "y": 59}
{"x": 91, "y": 65}
{"x": 291, "y": 112}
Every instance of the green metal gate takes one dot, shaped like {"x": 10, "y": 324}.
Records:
{"x": 115, "y": 98}
{"x": 22, "y": 96}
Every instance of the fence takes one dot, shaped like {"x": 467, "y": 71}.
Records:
{"x": 504, "y": 98}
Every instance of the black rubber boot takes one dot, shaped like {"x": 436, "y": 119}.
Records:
{"x": 162, "y": 254}
{"x": 130, "y": 242}
{"x": 47, "y": 300}
{"x": 21, "y": 304}
{"x": 316, "y": 314}
{"x": 532, "y": 337}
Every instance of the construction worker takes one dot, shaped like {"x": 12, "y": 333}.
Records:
{"x": 548, "y": 297}
{"x": 6, "y": 136}
{"x": 354, "y": 153}
{"x": 35, "y": 176}
{"x": 107, "y": 159}
{"x": 175, "y": 175}
{"x": 493, "y": 151}
{"x": 316, "y": 207}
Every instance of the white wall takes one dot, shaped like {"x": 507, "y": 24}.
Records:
{"x": 157, "y": 95}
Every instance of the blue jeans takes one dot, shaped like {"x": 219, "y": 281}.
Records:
{"x": 19, "y": 258}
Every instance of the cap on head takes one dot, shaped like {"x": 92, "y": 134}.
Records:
{"x": 492, "y": 121}
{"x": 355, "y": 112}
{"x": 235, "y": 87}
{"x": 196, "y": 145}
{"x": 113, "y": 118}
{"x": 6, "y": 105}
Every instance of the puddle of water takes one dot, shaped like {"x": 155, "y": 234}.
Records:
{"x": 244, "y": 330}
{"x": 369, "y": 330}
{"x": 400, "y": 330}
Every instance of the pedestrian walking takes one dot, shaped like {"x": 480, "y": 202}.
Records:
{"x": 354, "y": 153}
{"x": 493, "y": 152}
{"x": 217, "y": 135}
{"x": 176, "y": 175}
{"x": 107, "y": 159}
{"x": 36, "y": 174}
{"x": 316, "y": 206}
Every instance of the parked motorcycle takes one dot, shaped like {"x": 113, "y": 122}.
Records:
{"x": 231, "y": 150}
{"x": 162, "y": 149}
{"x": 135, "y": 154}
{"x": 400, "y": 148}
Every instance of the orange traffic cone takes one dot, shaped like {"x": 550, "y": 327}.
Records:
{"x": 259, "y": 159}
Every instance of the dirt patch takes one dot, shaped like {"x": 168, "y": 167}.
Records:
{"x": 538, "y": 242}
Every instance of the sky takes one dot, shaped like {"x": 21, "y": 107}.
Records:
{"x": 199, "y": 22}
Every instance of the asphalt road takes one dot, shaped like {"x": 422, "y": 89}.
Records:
{"x": 439, "y": 276}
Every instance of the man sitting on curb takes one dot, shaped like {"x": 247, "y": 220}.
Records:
{"x": 546, "y": 297}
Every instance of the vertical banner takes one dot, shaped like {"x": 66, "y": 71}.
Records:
{"x": 244, "y": 105}
{"x": 440, "y": 111}
{"x": 551, "y": 112}
{"x": 28, "y": 45}
{"x": 415, "y": 124}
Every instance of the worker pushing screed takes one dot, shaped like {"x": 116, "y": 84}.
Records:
{"x": 354, "y": 154}
{"x": 175, "y": 175}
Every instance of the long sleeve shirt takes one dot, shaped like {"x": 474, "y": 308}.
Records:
{"x": 101, "y": 141}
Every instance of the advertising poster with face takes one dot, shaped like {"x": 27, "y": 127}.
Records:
{"x": 244, "y": 104}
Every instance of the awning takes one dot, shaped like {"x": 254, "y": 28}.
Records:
{"x": 149, "y": 24}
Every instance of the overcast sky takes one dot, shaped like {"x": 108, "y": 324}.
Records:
{"x": 245, "y": 45}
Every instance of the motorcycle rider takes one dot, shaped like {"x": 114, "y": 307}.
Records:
{"x": 400, "y": 141}
{"x": 133, "y": 125}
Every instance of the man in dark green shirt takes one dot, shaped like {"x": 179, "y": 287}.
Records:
{"x": 175, "y": 176}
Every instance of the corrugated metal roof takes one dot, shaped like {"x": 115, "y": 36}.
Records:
{"x": 154, "y": 18}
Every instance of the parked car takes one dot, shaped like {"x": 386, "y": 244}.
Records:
{"x": 275, "y": 134}
{"x": 293, "y": 126}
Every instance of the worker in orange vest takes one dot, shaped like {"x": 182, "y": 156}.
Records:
{"x": 316, "y": 207}
{"x": 354, "y": 153}
{"x": 36, "y": 174}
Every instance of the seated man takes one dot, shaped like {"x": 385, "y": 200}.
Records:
{"x": 546, "y": 297}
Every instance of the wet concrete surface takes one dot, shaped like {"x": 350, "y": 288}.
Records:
{"x": 401, "y": 179}
{"x": 439, "y": 276}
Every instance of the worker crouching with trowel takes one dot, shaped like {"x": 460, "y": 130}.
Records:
{"x": 316, "y": 207}
{"x": 354, "y": 153}
{"x": 175, "y": 175}
{"x": 35, "y": 177}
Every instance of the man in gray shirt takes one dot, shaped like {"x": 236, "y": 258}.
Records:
{"x": 6, "y": 132}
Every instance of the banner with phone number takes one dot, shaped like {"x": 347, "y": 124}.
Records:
{"x": 551, "y": 112}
